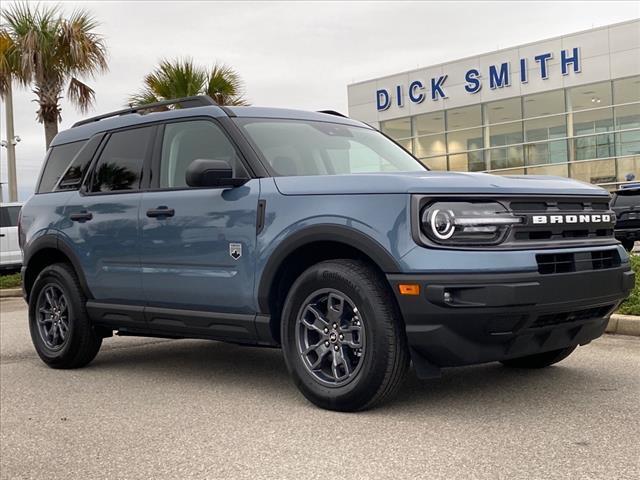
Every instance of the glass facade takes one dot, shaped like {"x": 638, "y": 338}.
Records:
{"x": 590, "y": 133}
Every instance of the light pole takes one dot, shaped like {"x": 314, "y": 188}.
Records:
{"x": 10, "y": 145}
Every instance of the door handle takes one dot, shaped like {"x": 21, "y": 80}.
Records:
{"x": 161, "y": 212}
{"x": 82, "y": 216}
{"x": 2, "y": 234}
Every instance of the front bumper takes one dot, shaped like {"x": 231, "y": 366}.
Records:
{"x": 462, "y": 319}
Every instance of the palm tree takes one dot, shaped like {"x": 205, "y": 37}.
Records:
{"x": 53, "y": 52}
{"x": 183, "y": 78}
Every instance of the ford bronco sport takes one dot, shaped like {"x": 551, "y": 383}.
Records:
{"x": 311, "y": 232}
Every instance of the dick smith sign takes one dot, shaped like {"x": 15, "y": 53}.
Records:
{"x": 498, "y": 76}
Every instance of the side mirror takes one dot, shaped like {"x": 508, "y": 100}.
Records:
{"x": 204, "y": 172}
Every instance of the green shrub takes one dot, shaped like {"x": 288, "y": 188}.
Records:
{"x": 631, "y": 306}
{"x": 10, "y": 281}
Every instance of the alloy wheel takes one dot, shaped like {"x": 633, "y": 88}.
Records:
{"x": 330, "y": 337}
{"x": 53, "y": 317}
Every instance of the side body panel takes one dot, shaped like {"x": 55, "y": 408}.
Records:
{"x": 43, "y": 215}
{"x": 107, "y": 245}
{"x": 187, "y": 258}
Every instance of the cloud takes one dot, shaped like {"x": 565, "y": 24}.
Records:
{"x": 298, "y": 55}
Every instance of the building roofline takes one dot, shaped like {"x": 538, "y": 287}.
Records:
{"x": 491, "y": 52}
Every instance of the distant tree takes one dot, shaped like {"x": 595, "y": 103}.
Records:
{"x": 48, "y": 52}
{"x": 182, "y": 78}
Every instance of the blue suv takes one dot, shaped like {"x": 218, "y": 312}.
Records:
{"x": 311, "y": 232}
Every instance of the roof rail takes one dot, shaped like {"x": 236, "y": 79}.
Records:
{"x": 185, "y": 102}
{"x": 333, "y": 112}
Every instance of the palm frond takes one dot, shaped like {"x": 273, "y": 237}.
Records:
{"x": 81, "y": 50}
{"x": 171, "y": 79}
{"x": 143, "y": 97}
{"x": 53, "y": 51}
{"x": 8, "y": 61}
{"x": 80, "y": 94}
{"x": 225, "y": 86}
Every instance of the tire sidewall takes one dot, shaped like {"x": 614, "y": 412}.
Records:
{"x": 61, "y": 278}
{"x": 375, "y": 357}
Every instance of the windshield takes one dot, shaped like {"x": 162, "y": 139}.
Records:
{"x": 301, "y": 147}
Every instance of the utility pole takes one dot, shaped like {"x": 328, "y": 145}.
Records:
{"x": 11, "y": 146}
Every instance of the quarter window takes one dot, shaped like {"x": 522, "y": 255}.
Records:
{"x": 185, "y": 142}
{"x": 57, "y": 162}
{"x": 120, "y": 164}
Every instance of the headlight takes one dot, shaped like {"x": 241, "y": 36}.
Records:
{"x": 467, "y": 223}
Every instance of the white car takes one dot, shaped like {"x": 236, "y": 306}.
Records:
{"x": 10, "y": 253}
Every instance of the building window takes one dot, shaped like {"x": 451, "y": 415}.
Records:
{"x": 464, "y": 140}
{"x": 436, "y": 163}
{"x": 505, "y": 129}
{"x": 399, "y": 130}
{"x": 429, "y": 146}
{"x": 429, "y": 123}
{"x": 626, "y": 95}
{"x": 543, "y": 104}
{"x": 592, "y": 120}
{"x": 464, "y": 117}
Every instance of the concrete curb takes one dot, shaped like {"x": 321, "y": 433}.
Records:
{"x": 10, "y": 292}
{"x": 624, "y": 325}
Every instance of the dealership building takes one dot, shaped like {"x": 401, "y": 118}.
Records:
{"x": 567, "y": 106}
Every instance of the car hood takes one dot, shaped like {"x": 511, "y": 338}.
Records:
{"x": 434, "y": 182}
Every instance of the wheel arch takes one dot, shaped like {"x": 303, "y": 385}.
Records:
{"x": 307, "y": 247}
{"x": 47, "y": 250}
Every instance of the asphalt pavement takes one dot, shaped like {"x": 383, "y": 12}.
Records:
{"x": 164, "y": 409}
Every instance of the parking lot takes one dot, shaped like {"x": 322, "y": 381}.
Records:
{"x": 152, "y": 408}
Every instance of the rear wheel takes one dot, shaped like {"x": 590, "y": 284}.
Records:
{"x": 60, "y": 328}
{"x": 540, "y": 360}
{"x": 342, "y": 336}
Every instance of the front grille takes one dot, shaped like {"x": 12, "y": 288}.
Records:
{"x": 550, "y": 263}
{"x": 574, "y": 316}
{"x": 565, "y": 232}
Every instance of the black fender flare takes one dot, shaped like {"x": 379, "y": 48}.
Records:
{"x": 53, "y": 241}
{"x": 318, "y": 233}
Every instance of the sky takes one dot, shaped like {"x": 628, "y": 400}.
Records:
{"x": 296, "y": 54}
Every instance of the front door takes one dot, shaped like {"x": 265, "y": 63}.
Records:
{"x": 197, "y": 244}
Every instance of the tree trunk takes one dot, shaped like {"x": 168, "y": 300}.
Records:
{"x": 50, "y": 131}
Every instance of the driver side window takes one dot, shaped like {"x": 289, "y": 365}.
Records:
{"x": 185, "y": 142}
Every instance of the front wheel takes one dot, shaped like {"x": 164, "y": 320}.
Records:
{"x": 342, "y": 336}
{"x": 60, "y": 327}
{"x": 540, "y": 360}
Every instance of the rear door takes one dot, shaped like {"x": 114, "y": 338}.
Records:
{"x": 198, "y": 244}
{"x": 103, "y": 224}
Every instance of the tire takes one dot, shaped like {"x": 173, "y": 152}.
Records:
{"x": 627, "y": 244}
{"x": 72, "y": 342}
{"x": 540, "y": 360}
{"x": 370, "y": 323}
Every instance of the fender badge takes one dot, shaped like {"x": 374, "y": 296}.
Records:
{"x": 235, "y": 250}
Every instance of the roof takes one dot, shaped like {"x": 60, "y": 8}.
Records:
{"x": 86, "y": 130}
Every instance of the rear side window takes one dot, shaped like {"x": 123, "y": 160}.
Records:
{"x": 9, "y": 216}
{"x": 120, "y": 164}
{"x": 72, "y": 178}
{"x": 60, "y": 157}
